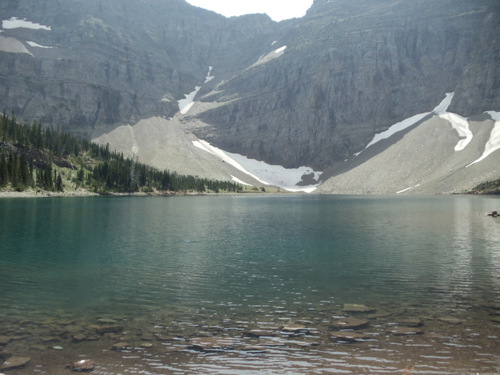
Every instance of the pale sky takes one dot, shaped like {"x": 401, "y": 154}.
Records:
{"x": 276, "y": 9}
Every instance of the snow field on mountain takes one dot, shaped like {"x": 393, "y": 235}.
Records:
{"x": 493, "y": 143}
{"x": 267, "y": 174}
{"x": 16, "y": 23}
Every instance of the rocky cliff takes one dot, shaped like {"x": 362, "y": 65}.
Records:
{"x": 310, "y": 91}
{"x": 350, "y": 69}
{"x": 89, "y": 66}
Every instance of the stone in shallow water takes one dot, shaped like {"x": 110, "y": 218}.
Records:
{"x": 349, "y": 336}
{"x": 352, "y": 307}
{"x": 450, "y": 320}
{"x": 15, "y": 362}
{"x": 492, "y": 305}
{"x": 206, "y": 344}
{"x": 413, "y": 322}
{"x": 260, "y": 333}
{"x": 79, "y": 337}
{"x": 83, "y": 365}
{"x": 107, "y": 321}
{"x": 107, "y": 329}
{"x": 295, "y": 329}
{"x": 271, "y": 342}
{"x": 349, "y": 323}
{"x": 121, "y": 346}
{"x": 406, "y": 331}
{"x": 4, "y": 340}
{"x": 254, "y": 349}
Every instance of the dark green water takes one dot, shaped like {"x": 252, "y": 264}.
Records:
{"x": 249, "y": 258}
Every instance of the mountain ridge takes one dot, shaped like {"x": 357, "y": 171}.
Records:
{"x": 308, "y": 92}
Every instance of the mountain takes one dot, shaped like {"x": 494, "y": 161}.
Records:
{"x": 155, "y": 78}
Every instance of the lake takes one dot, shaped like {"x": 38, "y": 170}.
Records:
{"x": 252, "y": 284}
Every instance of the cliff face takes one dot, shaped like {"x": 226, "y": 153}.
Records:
{"x": 97, "y": 64}
{"x": 350, "y": 69}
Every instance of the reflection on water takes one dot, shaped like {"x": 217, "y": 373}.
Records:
{"x": 270, "y": 273}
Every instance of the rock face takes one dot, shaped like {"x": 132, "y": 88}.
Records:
{"x": 309, "y": 91}
{"x": 350, "y": 69}
{"x": 97, "y": 64}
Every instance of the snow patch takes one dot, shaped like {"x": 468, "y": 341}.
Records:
{"x": 186, "y": 104}
{"x": 237, "y": 180}
{"x": 493, "y": 143}
{"x": 443, "y": 106}
{"x": 270, "y": 56}
{"x": 15, "y": 23}
{"x": 208, "y": 78}
{"x": 205, "y": 146}
{"x": 402, "y": 125}
{"x": 278, "y": 175}
{"x": 265, "y": 173}
{"x": 281, "y": 49}
{"x": 200, "y": 146}
{"x": 33, "y": 44}
{"x": 461, "y": 125}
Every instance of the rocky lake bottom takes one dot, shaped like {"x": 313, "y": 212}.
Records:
{"x": 328, "y": 338}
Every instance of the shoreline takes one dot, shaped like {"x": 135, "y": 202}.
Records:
{"x": 85, "y": 193}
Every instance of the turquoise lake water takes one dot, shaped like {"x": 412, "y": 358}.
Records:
{"x": 241, "y": 262}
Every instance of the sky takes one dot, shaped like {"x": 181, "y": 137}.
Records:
{"x": 278, "y": 10}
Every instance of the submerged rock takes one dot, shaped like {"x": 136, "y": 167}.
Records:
{"x": 406, "y": 331}
{"x": 414, "y": 322}
{"x": 260, "y": 333}
{"x": 107, "y": 329}
{"x": 79, "y": 337}
{"x": 15, "y": 362}
{"x": 352, "y": 307}
{"x": 121, "y": 346}
{"x": 205, "y": 344}
{"x": 349, "y": 336}
{"x": 4, "y": 340}
{"x": 295, "y": 329}
{"x": 83, "y": 365}
{"x": 450, "y": 320}
{"x": 350, "y": 323}
{"x": 256, "y": 349}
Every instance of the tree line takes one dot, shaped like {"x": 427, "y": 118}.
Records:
{"x": 32, "y": 156}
